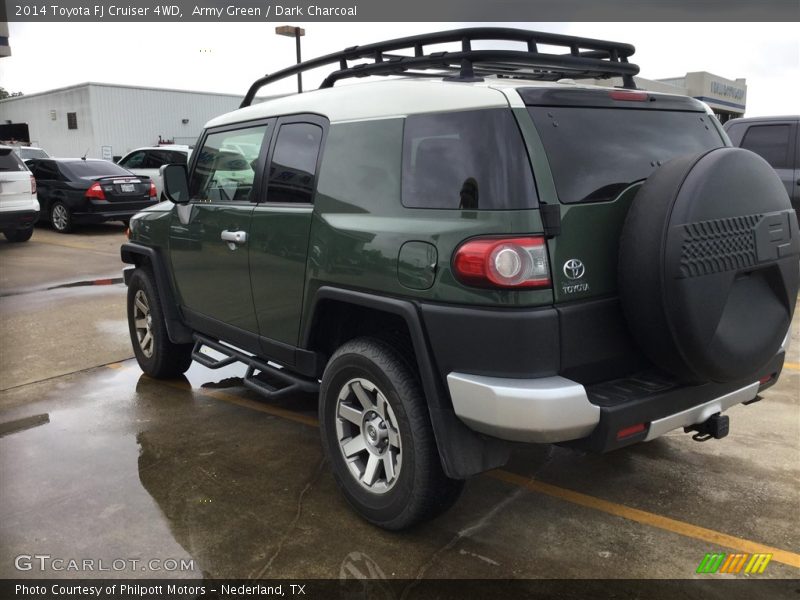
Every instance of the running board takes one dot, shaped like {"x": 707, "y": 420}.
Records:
{"x": 258, "y": 372}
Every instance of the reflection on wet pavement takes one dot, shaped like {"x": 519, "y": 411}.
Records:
{"x": 201, "y": 470}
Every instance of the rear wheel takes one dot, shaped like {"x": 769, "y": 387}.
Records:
{"x": 60, "y": 217}
{"x": 156, "y": 354}
{"x": 19, "y": 235}
{"x": 378, "y": 437}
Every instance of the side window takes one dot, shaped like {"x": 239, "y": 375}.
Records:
{"x": 178, "y": 158}
{"x": 225, "y": 166}
{"x": 48, "y": 171}
{"x": 771, "y": 142}
{"x": 294, "y": 163}
{"x": 133, "y": 161}
{"x": 155, "y": 158}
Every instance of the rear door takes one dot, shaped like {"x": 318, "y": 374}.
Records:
{"x": 280, "y": 231}
{"x": 210, "y": 237}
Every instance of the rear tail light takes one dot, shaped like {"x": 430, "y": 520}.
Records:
{"x": 518, "y": 262}
{"x": 96, "y": 192}
{"x": 153, "y": 191}
{"x": 33, "y": 185}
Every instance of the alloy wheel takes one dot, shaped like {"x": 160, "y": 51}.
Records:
{"x": 368, "y": 435}
{"x": 143, "y": 322}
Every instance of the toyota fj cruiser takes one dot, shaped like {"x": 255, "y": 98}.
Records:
{"x": 479, "y": 253}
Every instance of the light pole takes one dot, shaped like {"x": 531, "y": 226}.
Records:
{"x": 296, "y": 33}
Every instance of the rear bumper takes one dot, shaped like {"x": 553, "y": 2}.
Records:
{"x": 556, "y": 409}
{"x": 98, "y": 211}
{"x": 18, "y": 219}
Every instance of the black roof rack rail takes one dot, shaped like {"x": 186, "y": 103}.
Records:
{"x": 585, "y": 58}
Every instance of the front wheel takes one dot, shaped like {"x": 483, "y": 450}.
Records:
{"x": 377, "y": 435}
{"x": 156, "y": 354}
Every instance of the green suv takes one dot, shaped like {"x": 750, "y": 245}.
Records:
{"x": 479, "y": 253}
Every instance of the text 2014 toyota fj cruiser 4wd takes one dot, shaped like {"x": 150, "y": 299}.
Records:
{"x": 474, "y": 257}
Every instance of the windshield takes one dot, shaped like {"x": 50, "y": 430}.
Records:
{"x": 595, "y": 153}
{"x": 28, "y": 153}
{"x": 94, "y": 168}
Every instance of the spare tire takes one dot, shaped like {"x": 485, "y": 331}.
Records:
{"x": 709, "y": 265}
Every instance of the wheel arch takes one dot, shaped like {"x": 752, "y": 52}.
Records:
{"x": 149, "y": 258}
{"x": 338, "y": 315}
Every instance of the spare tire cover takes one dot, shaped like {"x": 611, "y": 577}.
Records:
{"x": 709, "y": 265}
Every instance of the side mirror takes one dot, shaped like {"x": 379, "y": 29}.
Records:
{"x": 176, "y": 183}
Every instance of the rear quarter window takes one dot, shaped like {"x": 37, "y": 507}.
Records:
{"x": 470, "y": 160}
{"x": 9, "y": 161}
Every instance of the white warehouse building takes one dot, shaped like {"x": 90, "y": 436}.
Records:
{"x": 108, "y": 120}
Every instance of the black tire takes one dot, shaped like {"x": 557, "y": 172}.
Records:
{"x": 19, "y": 235}
{"x": 421, "y": 490}
{"x": 166, "y": 359}
{"x": 60, "y": 217}
{"x": 708, "y": 265}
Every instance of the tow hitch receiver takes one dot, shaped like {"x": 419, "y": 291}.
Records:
{"x": 716, "y": 426}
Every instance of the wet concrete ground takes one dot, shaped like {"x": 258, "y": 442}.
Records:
{"x": 202, "y": 471}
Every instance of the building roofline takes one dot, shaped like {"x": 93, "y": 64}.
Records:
{"x": 118, "y": 85}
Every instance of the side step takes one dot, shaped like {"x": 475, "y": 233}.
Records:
{"x": 260, "y": 376}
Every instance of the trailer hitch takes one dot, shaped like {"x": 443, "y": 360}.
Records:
{"x": 716, "y": 427}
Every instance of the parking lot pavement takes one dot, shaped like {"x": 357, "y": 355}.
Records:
{"x": 62, "y": 304}
{"x": 101, "y": 462}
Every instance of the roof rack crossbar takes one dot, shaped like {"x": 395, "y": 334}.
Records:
{"x": 585, "y": 57}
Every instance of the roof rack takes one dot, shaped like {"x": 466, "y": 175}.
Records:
{"x": 585, "y": 58}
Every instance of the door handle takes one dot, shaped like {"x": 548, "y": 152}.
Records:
{"x": 235, "y": 237}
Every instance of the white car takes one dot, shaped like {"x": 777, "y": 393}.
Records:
{"x": 19, "y": 206}
{"x": 148, "y": 161}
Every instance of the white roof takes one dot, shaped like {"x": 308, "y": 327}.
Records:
{"x": 389, "y": 98}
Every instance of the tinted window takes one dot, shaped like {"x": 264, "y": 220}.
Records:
{"x": 72, "y": 120}
{"x": 93, "y": 168}
{"x": 9, "y": 161}
{"x": 156, "y": 158}
{"x": 133, "y": 161}
{"x": 47, "y": 170}
{"x": 469, "y": 160}
{"x": 771, "y": 142}
{"x": 294, "y": 163}
{"x": 595, "y": 153}
{"x": 178, "y": 158}
{"x": 225, "y": 167}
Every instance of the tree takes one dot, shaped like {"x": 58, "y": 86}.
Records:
{"x": 6, "y": 94}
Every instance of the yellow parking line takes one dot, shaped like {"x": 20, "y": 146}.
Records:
{"x": 791, "y": 365}
{"x": 715, "y": 538}
{"x": 73, "y": 245}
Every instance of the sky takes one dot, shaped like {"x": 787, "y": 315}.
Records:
{"x": 228, "y": 57}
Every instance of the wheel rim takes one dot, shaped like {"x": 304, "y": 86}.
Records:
{"x": 143, "y": 322}
{"x": 368, "y": 436}
{"x": 60, "y": 217}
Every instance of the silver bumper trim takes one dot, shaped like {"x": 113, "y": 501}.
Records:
{"x": 701, "y": 412}
{"x": 548, "y": 409}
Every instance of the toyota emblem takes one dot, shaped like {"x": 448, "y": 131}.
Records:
{"x": 574, "y": 269}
